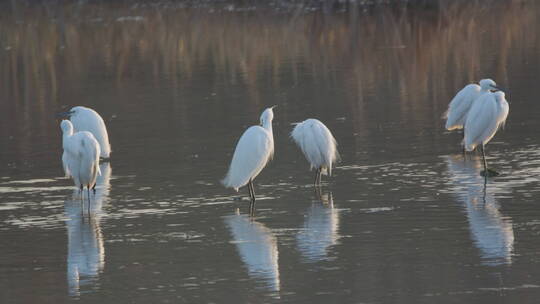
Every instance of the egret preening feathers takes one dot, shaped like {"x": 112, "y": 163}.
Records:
{"x": 86, "y": 119}
{"x": 253, "y": 151}
{"x": 456, "y": 115}
{"x": 486, "y": 115}
{"x": 318, "y": 145}
{"x": 80, "y": 157}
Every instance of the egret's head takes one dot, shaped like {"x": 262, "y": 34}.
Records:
{"x": 488, "y": 85}
{"x": 67, "y": 114}
{"x": 67, "y": 127}
{"x": 267, "y": 115}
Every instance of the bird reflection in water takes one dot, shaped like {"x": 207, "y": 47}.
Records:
{"x": 320, "y": 229}
{"x": 257, "y": 247}
{"x": 492, "y": 232}
{"x": 86, "y": 253}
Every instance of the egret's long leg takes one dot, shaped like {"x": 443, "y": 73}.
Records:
{"x": 249, "y": 190}
{"x": 484, "y": 158}
{"x": 463, "y": 150}
{"x": 487, "y": 171}
{"x": 81, "y": 195}
{"x": 317, "y": 177}
{"x": 88, "y": 200}
{"x": 252, "y": 190}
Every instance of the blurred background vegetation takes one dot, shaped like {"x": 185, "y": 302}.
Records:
{"x": 51, "y": 51}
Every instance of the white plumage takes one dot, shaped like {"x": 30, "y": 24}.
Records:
{"x": 86, "y": 119}
{"x": 456, "y": 115}
{"x": 485, "y": 117}
{"x": 318, "y": 145}
{"x": 487, "y": 114}
{"x": 253, "y": 151}
{"x": 81, "y": 156}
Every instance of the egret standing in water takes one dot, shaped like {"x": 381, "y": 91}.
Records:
{"x": 318, "y": 145}
{"x": 81, "y": 157}
{"x": 86, "y": 119}
{"x": 456, "y": 115}
{"x": 253, "y": 151}
{"x": 486, "y": 115}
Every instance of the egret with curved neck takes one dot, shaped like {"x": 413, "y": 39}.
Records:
{"x": 81, "y": 157}
{"x": 253, "y": 151}
{"x": 86, "y": 119}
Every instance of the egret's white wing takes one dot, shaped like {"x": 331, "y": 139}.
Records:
{"x": 326, "y": 144}
{"x": 460, "y": 105}
{"x": 317, "y": 143}
{"x": 254, "y": 149}
{"x": 85, "y": 149}
{"x": 65, "y": 164}
{"x": 70, "y": 159}
{"x": 305, "y": 138}
{"x": 503, "y": 111}
{"x": 481, "y": 122}
{"x": 86, "y": 119}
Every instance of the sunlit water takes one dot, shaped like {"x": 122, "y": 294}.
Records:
{"x": 405, "y": 218}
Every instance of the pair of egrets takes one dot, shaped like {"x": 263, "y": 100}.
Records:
{"x": 480, "y": 112}
{"x": 84, "y": 140}
{"x": 256, "y": 147}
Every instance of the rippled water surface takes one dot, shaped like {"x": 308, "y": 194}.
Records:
{"x": 404, "y": 219}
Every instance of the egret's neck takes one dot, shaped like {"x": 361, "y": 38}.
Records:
{"x": 66, "y": 135}
{"x": 267, "y": 124}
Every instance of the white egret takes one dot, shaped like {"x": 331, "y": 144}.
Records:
{"x": 81, "y": 157}
{"x": 456, "y": 115}
{"x": 486, "y": 115}
{"x": 253, "y": 151}
{"x": 86, "y": 119}
{"x": 318, "y": 145}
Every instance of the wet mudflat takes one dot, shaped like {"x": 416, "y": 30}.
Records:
{"x": 405, "y": 218}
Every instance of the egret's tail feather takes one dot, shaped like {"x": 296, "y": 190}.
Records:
{"x": 338, "y": 156}
{"x": 226, "y": 181}
{"x": 468, "y": 147}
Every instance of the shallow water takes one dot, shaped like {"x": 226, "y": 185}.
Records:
{"x": 404, "y": 219}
